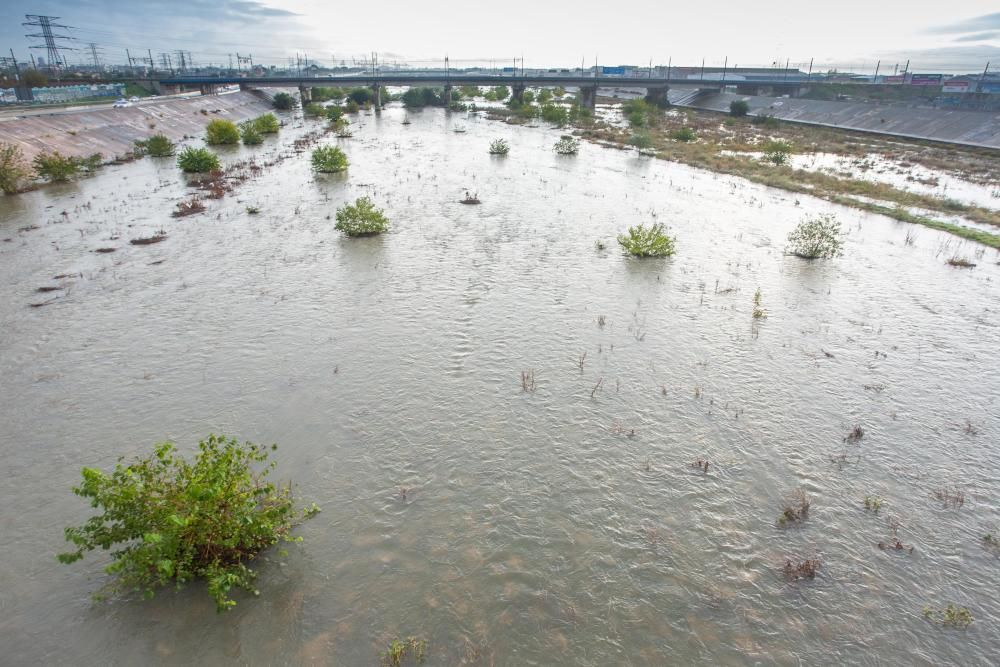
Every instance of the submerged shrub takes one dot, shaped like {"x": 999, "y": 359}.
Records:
{"x": 642, "y": 241}
{"x": 361, "y": 95}
{"x": 222, "y": 132}
{"x": 567, "y": 145}
{"x": 423, "y": 97}
{"x": 159, "y": 145}
{"x": 334, "y": 114}
{"x": 361, "y": 218}
{"x": 555, "y": 114}
{"x": 738, "y": 108}
{"x": 283, "y": 101}
{"x": 329, "y": 160}
{"x": 171, "y": 520}
{"x": 777, "y": 152}
{"x": 55, "y": 166}
{"x": 352, "y": 106}
{"x": 197, "y": 160}
{"x": 314, "y": 110}
{"x": 249, "y": 133}
{"x": 13, "y": 168}
{"x": 267, "y": 123}
{"x": 816, "y": 237}
{"x": 499, "y": 147}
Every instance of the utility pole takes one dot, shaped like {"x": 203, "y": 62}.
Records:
{"x": 93, "y": 54}
{"x": 982, "y": 77}
{"x": 670, "y": 61}
{"x": 51, "y": 46}
{"x": 877, "y": 65}
{"x": 725, "y": 66}
{"x": 703, "y": 69}
{"x": 809, "y": 76}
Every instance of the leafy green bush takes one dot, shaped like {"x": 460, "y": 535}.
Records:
{"x": 641, "y": 140}
{"x": 738, "y": 108}
{"x": 55, "y": 166}
{"x": 333, "y": 114}
{"x": 13, "y": 168}
{"x": 314, "y": 110}
{"x": 159, "y": 145}
{"x": 267, "y": 123}
{"x": 817, "y": 237}
{"x": 171, "y": 520}
{"x": 197, "y": 160}
{"x": 423, "y": 97}
{"x": 499, "y": 147}
{"x": 249, "y": 133}
{"x": 361, "y": 218}
{"x": 684, "y": 134}
{"x": 500, "y": 93}
{"x": 361, "y": 95}
{"x": 643, "y": 241}
{"x": 777, "y": 152}
{"x": 352, "y": 107}
{"x": 567, "y": 145}
{"x": 769, "y": 122}
{"x": 283, "y": 102}
{"x": 329, "y": 160}
{"x": 470, "y": 91}
{"x": 544, "y": 96}
{"x": 321, "y": 94}
{"x": 555, "y": 114}
{"x": 222, "y": 132}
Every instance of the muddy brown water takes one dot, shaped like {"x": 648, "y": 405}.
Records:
{"x": 535, "y": 530}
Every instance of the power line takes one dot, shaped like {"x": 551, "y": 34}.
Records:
{"x": 51, "y": 46}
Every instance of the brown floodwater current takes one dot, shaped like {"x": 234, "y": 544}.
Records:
{"x": 560, "y": 526}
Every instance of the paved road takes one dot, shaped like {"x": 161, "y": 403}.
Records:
{"x": 59, "y": 109}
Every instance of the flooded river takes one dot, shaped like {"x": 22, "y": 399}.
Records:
{"x": 560, "y": 526}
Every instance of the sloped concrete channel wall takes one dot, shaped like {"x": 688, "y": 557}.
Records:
{"x": 971, "y": 128}
{"x": 112, "y": 132}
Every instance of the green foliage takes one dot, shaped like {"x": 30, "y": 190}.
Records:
{"x": 567, "y": 145}
{"x": 769, "y": 122}
{"x": 171, "y": 520}
{"x": 423, "y": 97}
{"x": 267, "y": 123}
{"x": 314, "y": 110}
{"x": 13, "y": 168}
{"x": 642, "y": 241}
{"x": 222, "y": 132}
{"x": 639, "y": 112}
{"x": 55, "y": 166}
{"x": 361, "y": 218}
{"x": 352, "y": 106}
{"x": 499, "y": 147}
{"x": 684, "y": 134}
{"x": 527, "y": 97}
{"x": 816, "y": 237}
{"x": 283, "y": 102}
{"x": 197, "y": 160}
{"x": 250, "y": 134}
{"x": 544, "y": 96}
{"x": 951, "y": 616}
{"x": 361, "y": 95}
{"x": 738, "y": 108}
{"x": 159, "y": 145}
{"x": 323, "y": 94}
{"x": 329, "y": 160}
{"x": 559, "y": 91}
{"x": 333, "y": 114}
{"x": 555, "y": 114}
{"x": 758, "y": 309}
{"x": 500, "y": 93}
{"x": 777, "y": 152}
{"x": 399, "y": 650}
{"x": 470, "y": 91}
{"x": 641, "y": 140}
{"x": 873, "y": 504}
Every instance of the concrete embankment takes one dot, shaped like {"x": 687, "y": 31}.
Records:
{"x": 112, "y": 132}
{"x": 970, "y": 128}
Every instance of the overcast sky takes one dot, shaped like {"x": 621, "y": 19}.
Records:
{"x": 947, "y": 36}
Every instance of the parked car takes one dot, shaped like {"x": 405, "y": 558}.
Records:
{"x": 122, "y": 103}
{"x": 133, "y": 99}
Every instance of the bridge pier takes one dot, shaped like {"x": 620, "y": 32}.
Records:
{"x": 517, "y": 92}
{"x": 657, "y": 95}
{"x": 446, "y": 97}
{"x": 208, "y": 89}
{"x": 377, "y": 97}
{"x": 588, "y": 97}
{"x": 305, "y": 94}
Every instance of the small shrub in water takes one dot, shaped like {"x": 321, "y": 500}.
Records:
{"x": 267, "y": 123}
{"x": 555, "y": 114}
{"x": 13, "y": 168}
{"x": 641, "y": 140}
{"x": 499, "y": 147}
{"x": 221, "y": 132}
{"x": 758, "y": 309}
{"x": 796, "y": 508}
{"x": 329, "y": 160}
{"x": 197, "y": 160}
{"x": 172, "y": 520}
{"x": 55, "y": 166}
{"x": 361, "y": 218}
{"x": 352, "y": 106}
{"x": 159, "y": 145}
{"x": 250, "y": 134}
{"x": 333, "y": 114}
{"x": 684, "y": 134}
{"x": 314, "y": 110}
{"x": 950, "y": 616}
{"x": 399, "y": 650}
{"x": 805, "y": 569}
{"x": 567, "y": 145}
{"x": 816, "y": 237}
{"x": 642, "y": 241}
{"x": 283, "y": 101}
{"x": 777, "y": 152}
{"x": 873, "y": 504}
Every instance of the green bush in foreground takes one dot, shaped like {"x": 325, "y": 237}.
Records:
{"x": 739, "y": 108}
{"x": 777, "y": 152}
{"x": 567, "y": 145}
{"x": 642, "y": 241}
{"x": 222, "y": 132}
{"x": 334, "y": 113}
{"x": 13, "y": 168}
{"x": 55, "y": 166}
{"x": 171, "y": 520}
{"x": 197, "y": 160}
{"x": 499, "y": 147}
{"x": 816, "y": 237}
{"x": 267, "y": 123}
{"x": 684, "y": 134}
{"x": 159, "y": 145}
{"x": 249, "y": 133}
{"x": 314, "y": 110}
{"x": 361, "y": 218}
{"x": 641, "y": 140}
{"x": 329, "y": 160}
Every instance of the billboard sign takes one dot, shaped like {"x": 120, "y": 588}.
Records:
{"x": 956, "y": 87}
{"x": 990, "y": 87}
{"x": 613, "y": 71}
{"x": 926, "y": 79}
{"x": 896, "y": 78}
